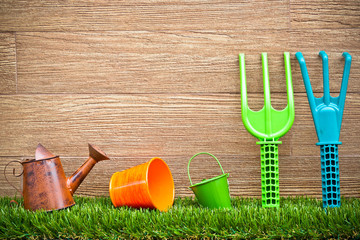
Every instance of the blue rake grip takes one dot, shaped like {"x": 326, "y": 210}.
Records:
{"x": 330, "y": 175}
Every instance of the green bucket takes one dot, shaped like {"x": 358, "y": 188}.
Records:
{"x": 213, "y": 192}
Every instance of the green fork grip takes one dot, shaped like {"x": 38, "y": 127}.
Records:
{"x": 270, "y": 174}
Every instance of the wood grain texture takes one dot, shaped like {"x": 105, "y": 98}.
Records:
{"x": 130, "y": 124}
{"x": 298, "y": 175}
{"x": 161, "y": 78}
{"x": 143, "y": 62}
{"x": 176, "y": 62}
{"x": 7, "y": 63}
{"x": 154, "y": 124}
{"x": 142, "y": 15}
{"x": 321, "y": 14}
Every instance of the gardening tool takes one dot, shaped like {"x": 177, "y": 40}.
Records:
{"x": 148, "y": 185}
{"x": 327, "y": 113}
{"x": 268, "y": 125}
{"x": 44, "y": 183}
{"x": 213, "y": 192}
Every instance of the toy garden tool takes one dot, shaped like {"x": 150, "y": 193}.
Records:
{"x": 44, "y": 183}
{"x": 327, "y": 114}
{"x": 268, "y": 125}
{"x": 213, "y": 192}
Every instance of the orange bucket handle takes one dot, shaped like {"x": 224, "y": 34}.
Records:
{"x": 188, "y": 168}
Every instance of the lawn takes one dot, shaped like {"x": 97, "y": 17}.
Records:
{"x": 96, "y": 218}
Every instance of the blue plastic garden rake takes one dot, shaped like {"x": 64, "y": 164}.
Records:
{"x": 327, "y": 114}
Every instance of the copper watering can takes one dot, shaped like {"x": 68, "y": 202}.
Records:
{"x": 44, "y": 183}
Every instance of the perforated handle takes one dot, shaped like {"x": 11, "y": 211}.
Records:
{"x": 188, "y": 168}
{"x": 330, "y": 176}
{"x": 270, "y": 175}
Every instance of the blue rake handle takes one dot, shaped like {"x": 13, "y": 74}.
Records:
{"x": 327, "y": 113}
{"x": 330, "y": 177}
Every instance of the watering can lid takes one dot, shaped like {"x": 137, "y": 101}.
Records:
{"x": 42, "y": 153}
{"x": 210, "y": 180}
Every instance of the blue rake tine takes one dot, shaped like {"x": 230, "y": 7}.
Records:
{"x": 325, "y": 61}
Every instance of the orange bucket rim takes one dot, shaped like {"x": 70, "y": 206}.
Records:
{"x": 148, "y": 187}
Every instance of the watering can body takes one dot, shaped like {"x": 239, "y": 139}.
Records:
{"x": 45, "y": 185}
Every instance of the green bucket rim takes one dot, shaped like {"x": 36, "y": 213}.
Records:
{"x": 209, "y": 180}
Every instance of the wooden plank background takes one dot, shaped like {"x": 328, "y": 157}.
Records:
{"x": 160, "y": 78}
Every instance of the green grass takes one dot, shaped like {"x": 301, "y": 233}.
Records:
{"x": 97, "y": 218}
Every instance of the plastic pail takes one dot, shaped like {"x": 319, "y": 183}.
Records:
{"x": 213, "y": 192}
{"x": 148, "y": 185}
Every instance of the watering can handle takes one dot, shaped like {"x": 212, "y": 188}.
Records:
{"x": 188, "y": 168}
{"x": 13, "y": 175}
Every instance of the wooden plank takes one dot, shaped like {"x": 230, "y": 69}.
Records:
{"x": 180, "y": 62}
{"x": 334, "y": 42}
{"x": 154, "y": 124}
{"x": 7, "y": 63}
{"x": 298, "y": 175}
{"x": 142, "y": 15}
{"x": 320, "y": 14}
{"x": 124, "y": 125}
{"x": 143, "y": 62}
{"x": 304, "y": 137}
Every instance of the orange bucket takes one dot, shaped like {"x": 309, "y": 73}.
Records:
{"x": 148, "y": 185}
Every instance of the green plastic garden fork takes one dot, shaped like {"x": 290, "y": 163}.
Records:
{"x": 268, "y": 125}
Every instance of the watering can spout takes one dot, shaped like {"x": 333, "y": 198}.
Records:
{"x": 95, "y": 155}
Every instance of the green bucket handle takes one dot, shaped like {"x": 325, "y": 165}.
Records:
{"x": 188, "y": 168}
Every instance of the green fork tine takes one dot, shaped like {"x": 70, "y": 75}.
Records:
{"x": 268, "y": 125}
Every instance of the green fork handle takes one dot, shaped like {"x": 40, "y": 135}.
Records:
{"x": 270, "y": 174}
